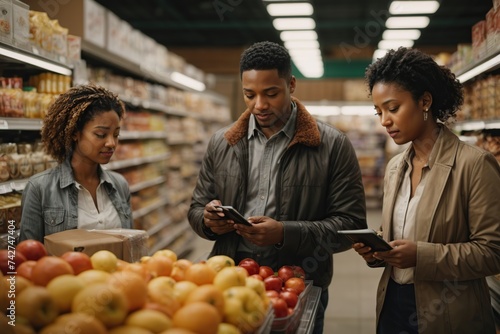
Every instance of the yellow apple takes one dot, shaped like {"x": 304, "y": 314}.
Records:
{"x": 102, "y": 301}
{"x": 225, "y": 328}
{"x": 199, "y": 317}
{"x": 4, "y": 324}
{"x": 4, "y": 292}
{"x": 257, "y": 285}
{"x": 104, "y": 260}
{"x": 75, "y": 323}
{"x": 230, "y": 276}
{"x": 168, "y": 253}
{"x": 154, "y": 321}
{"x": 92, "y": 276}
{"x": 63, "y": 289}
{"x": 243, "y": 308}
{"x": 129, "y": 330}
{"x": 37, "y": 306}
{"x": 161, "y": 291}
{"x": 217, "y": 262}
{"x": 182, "y": 290}
{"x": 207, "y": 293}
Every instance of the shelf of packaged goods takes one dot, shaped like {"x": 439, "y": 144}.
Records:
{"x": 12, "y": 185}
{"x": 119, "y": 164}
{"x": 488, "y": 63}
{"x": 35, "y": 57}
{"x": 476, "y": 125}
{"x": 146, "y": 184}
{"x": 155, "y": 106}
{"x": 186, "y": 248}
{"x": 150, "y": 208}
{"x": 174, "y": 234}
{"x": 130, "y": 135}
{"x": 158, "y": 227}
{"x": 12, "y": 123}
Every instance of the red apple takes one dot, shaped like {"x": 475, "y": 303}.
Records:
{"x": 25, "y": 269}
{"x": 291, "y": 298}
{"x": 273, "y": 283}
{"x": 285, "y": 273}
{"x": 79, "y": 261}
{"x": 49, "y": 267}
{"x": 272, "y": 294}
{"x": 32, "y": 249}
{"x": 280, "y": 307}
{"x": 10, "y": 260}
{"x": 257, "y": 276}
{"x": 299, "y": 272}
{"x": 296, "y": 283}
{"x": 250, "y": 265}
{"x": 266, "y": 271}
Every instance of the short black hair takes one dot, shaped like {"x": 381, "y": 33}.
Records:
{"x": 267, "y": 56}
{"x": 417, "y": 73}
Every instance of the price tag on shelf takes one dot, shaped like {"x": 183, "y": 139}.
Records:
{"x": 4, "y": 125}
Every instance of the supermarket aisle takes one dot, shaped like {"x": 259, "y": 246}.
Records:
{"x": 352, "y": 293}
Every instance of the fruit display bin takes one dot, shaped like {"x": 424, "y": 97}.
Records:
{"x": 265, "y": 328}
{"x": 302, "y": 319}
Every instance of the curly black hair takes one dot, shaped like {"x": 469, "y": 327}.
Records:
{"x": 417, "y": 73}
{"x": 70, "y": 112}
{"x": 267, "y": 56}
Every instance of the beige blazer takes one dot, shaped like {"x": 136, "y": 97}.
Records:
{"x": 457, "y": 233}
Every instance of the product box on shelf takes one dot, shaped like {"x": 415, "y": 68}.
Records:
{"x": 492, "y": 30}
{"x": 479, "y": 39}
{"x": 20, "y": 23}
{"x": 6, "y": 21}
{"x": 85, "y": 18}
{"x": 127, "y": 244}
{"x": 290, "y": 323}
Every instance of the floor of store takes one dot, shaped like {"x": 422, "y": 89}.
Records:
{"x": 352, "y": 293}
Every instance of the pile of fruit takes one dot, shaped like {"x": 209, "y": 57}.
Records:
{"x": 77, "y": 293}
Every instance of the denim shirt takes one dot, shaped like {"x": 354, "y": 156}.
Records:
{"x": 50, "y": 201}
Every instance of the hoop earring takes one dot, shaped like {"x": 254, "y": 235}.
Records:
{"x": 425, "y": 114}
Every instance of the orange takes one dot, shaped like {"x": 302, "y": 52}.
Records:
{"x": 207, "y": 293}
{"x": 132, "y": 286}
{"x": 198, "y": 317}
{"x": 179, "y": 269}
{"x": 158, "y": 265}
{"x": 200, "y": 273}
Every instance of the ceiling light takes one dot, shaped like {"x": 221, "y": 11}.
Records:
{"x": 290, "y": 9}
{"x": 487, "y": 65}
{"x": 323, "y": 110}
{"x": 407, "y": 22}
{"x": 401, "y": 34}
{"x": 301, "y": 45}
{"x": 413, "y": 7}
{"x": 395, "y": 43}
{"x": 379, "y": 53}
{"x": 294, "y": 23}
{"x": 187, "y": 81}
{"x": 46, "y": 65}
{"x": 298, "y": 35}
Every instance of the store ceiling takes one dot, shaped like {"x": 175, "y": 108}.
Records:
{"x": 346, "y": 28}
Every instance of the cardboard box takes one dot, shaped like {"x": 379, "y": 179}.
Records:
{"x": 127, "y": 244}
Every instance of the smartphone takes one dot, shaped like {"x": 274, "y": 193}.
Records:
{"x": 369, "y": 237}
{"x": 234, "y": 215}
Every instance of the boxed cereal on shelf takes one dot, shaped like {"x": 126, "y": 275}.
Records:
{"x": 479, "y": 39}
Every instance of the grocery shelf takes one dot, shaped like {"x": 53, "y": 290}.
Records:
{"x": 13, "y": 123}
{"x": 146, "y": 184}
{"x": 158, "y": 227}
{"x": 176, "y": 233}
{"x": 136, "y": 161}
{"x": 12, "y": 185}
{"x": 155, "y": 106}
{"x": 489, "y": 62}
{"x": 128, "y": 135}
{"x": 477, "y": 125}
{"x": 156, "y": 205}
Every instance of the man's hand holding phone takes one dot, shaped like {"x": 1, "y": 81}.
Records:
{"x": 215, "y": 220}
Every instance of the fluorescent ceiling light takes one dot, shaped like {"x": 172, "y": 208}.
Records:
{"x": 401, "y": 34}
{"x": 379, "y": 53}
{"x": 310, "y": 69}
{"x": 290, "y": 9}
{"x": 395, "y": 43}
{"x": 301, "y": 45}
{"x": 407, "y": 22}
{"x": 303, "y": 23}
{"x": 323, "y": 110}
{"x": 487, "y": 65}
{"x": 357, "y": 110}
{"x": 298, "y": 35}
{"x": 46, "y": 65}
{"x": 413, "y": 7}
{"x": 187, "y": 81}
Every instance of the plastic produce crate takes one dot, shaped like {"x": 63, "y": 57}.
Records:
{"x": 290, "y": 323}
{"x": 265, "y": 328}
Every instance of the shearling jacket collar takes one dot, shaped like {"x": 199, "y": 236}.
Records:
{"x": 306, "y": 133}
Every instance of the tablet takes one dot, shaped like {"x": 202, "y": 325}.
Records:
{"x": 234, "y": 215}
{"x": 368, "y": 237}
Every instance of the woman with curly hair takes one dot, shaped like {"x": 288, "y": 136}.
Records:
{"x": 81, "y": 132}
{"x": 440, "y": 209}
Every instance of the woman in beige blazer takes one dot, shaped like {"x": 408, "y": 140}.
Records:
{"x": 441, "y": 208}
